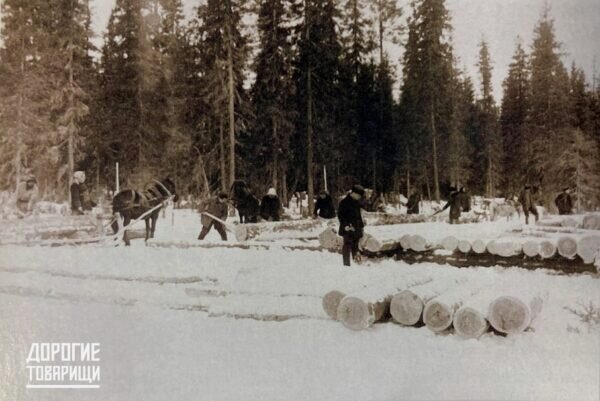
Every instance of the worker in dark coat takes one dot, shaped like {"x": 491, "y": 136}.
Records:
{"x": 455, "y": 203}
{"x": 526, "y": 200}
{"x": 27, "y": 195}
{"x": 564, "y": 202}
{"x": 270, "y": 207}
{"x": 351, "y": 223}
{"x": 324, "y": 206}
{"x": 412, "y": 206}
{"x": 218, "y": 208}
{"x": 79, "y": 196}
{"x": 465, "y": 199}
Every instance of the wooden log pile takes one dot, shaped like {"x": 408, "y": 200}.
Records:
{"x": 469, "y": 308}
{"x": 35, "y": 228}
{"x": 509, "y": 241}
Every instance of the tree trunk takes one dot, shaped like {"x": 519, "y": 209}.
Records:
{"x": 309, "y": 147}
{"x": 224, "y": 185}
{"x": 436, "y": 181}
{"x": 71, "y": 150}
{"x": 275, "y": 167}
{"x": 231, "y": 98}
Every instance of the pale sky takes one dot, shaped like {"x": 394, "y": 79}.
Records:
{"x": 499, "y": 22}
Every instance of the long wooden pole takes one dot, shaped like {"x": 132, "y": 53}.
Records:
{"x": 117, "y": 177}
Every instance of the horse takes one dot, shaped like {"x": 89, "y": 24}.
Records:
{"x": 245, "y": 202}
{"x": 131, "y": 204}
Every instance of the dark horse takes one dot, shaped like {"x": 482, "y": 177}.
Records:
{"x": 246, "y": 203}
{"x": 131, "y": 204}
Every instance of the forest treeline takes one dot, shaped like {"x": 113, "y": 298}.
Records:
{"x": 306, "y": 90}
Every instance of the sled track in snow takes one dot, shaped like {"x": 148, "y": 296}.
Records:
{"x": 150, "y": 279}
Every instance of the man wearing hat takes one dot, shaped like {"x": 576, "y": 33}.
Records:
{"x": 351, "y": 223}
{"x": 564, "y": 202}
{"x": 270, "y": 206}
{"x": 324, "y": 206}
{"x": 526, "y": 200}
{"x": 218, "y": 208}
{"x": 27, "y": 194}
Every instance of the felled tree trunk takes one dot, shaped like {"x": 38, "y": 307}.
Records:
{"x": 331, "y": 302}
{"x": 511, "y": 314}
{"x": 406, "y": 307}
{"x": 567, "y": 247}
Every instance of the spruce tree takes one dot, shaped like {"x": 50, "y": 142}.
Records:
{"x": 427, "y": 70}
{"x": 491, "y": 140}
{"x": 513, "y": 122}
{"x": 272, "y": 92}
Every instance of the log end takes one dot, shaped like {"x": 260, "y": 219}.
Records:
{"x": 469, "y": 323}
{"x": 331, "y": 302}
{"x": 509, "y": 315}
{"x": 464, "y": 246}
{"x": 450, "y": 243}
{"x": 355, "y": 314}
{"x": 437, "y": 316}
{"x": 567, "y": 247}
{"x": 531, "y": 249}
{"x": 241, "y": 232}
{"x": 547, "y": 249}
{"x": 418, "y": 243}
{"x": 406, "y": 308}
{"x": 478, "y": 246}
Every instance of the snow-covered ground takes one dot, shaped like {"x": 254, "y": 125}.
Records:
{"x": 237, "y": 324}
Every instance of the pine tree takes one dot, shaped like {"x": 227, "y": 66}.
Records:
{"x": 513, "y": 122}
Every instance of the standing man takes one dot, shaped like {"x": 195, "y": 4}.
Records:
{"x": 351, "y": 223}
{"x": 526, "y": 200}
{"x": 27, "y": 194}
{"x": 564, "y": 202}
{"x": 456, "y": 204}
{"x": 79, "y": 194}
{"x": 324, "y": 206}
{"x": 218, "y": 208}
{"x": 270, "y": 206}
{"x": 412, "y": 206}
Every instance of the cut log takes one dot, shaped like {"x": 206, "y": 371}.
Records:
{"x": 371, "y": 244}
{"x": 591, "y": 222}
{"x": 478, "y": 246}
{"x": 567, "y": 247}
{"x": 509, "y": 314}
{"x": 570, "y": 222}
{"x": 244, "y": 232}
{"x": 588, "y": 248}
{"x": 439, "y": 312}
{"x": 464, "y": 246}
{"x": 418, "y": 243}
{"x": 450, "y": 243}
{"x": 547, "y": 249}
{"x": 329, "y": 239}
{"x": 437, "y": 316}
{"x": 331, "y": 303}
{"x": 506, "y": 247}
{"x": 362, "y": 309}
{"x": 406, "y": 307}
{"x": 469, "y": 322}
{"x": 491, "y": 247}
{"x": 359, "y": 313}
{"x": 531, "y": 248}
{"x": 405, "y": 241}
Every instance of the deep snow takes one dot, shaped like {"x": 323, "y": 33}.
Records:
{"x": 233, "y": 324}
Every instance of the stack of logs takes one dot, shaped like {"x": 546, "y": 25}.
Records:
{"x": 34, "y": 229}
{"x": 552, "y": 239}
{"x": 439, "y": 305}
